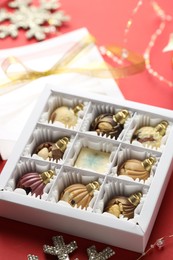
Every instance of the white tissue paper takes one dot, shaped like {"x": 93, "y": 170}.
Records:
{"x": 17, "y": 105}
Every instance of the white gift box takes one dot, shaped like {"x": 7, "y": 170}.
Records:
{"x": 49, "y": 211}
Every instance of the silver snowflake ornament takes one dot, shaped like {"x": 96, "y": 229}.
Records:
{"x": 103, "y": 255}
{"x": 59, "y": 248}
{"x": 38, "y": 21}
{"x": 32, "y": 257}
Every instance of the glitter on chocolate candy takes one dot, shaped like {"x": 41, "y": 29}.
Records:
{"x": 151, "y": 136}
{"x": 109, "y": 124}
{"x": 66, "y": 115}
{"x": 79, "y": 194}
{"x": 35, "y": 182}
{"x": 137, "y": 169}
{"x": 49, "y": 150}
{"x": 123, "y": 205}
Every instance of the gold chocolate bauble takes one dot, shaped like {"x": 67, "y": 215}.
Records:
{"x": 151, "y": 136}
{"x": 109, "y": 124}
{"x": 79, "y": 194}
{"x": 35, "y": 182}
{"x": 66, "y": 115}
{"x": 121, "y": 205}
{"x": 49, "y": 150}
{"x": 137, "y": 169}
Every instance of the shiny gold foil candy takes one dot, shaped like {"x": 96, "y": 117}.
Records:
{"x": 66, "y": 115}
{"x": 79, "y": 194}
{"x": 151, "y": 136}
{"x": 109, "y": 124}
{"x": 123, "y": 205}
{"x": 137, "y": 169}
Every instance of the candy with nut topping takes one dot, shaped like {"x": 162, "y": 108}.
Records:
{"x": 49, "y": 150}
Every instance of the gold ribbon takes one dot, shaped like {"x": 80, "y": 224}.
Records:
{"x": 101, "y": 69}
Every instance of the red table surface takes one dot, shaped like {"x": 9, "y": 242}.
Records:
{"x": 106, "y": 20}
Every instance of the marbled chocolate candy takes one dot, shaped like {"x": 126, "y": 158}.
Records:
{"x": 109, "y": 124}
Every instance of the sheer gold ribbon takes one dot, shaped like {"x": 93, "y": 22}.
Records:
{"x": 101, "y": 69}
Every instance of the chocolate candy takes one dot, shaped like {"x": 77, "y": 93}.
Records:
{"x": 137, "y": 169}
{"x": 80, "y": 195}
{"x": 109, "y": 124}
{"x": 66, "y": 115}
{"x": 151, "y": 136}
{"x": 35, "y": 182}
{"x": 123, "y": 205}
{"x": 49, "y": 150}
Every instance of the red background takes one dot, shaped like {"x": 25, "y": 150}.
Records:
{"x": 106, "y": 20}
